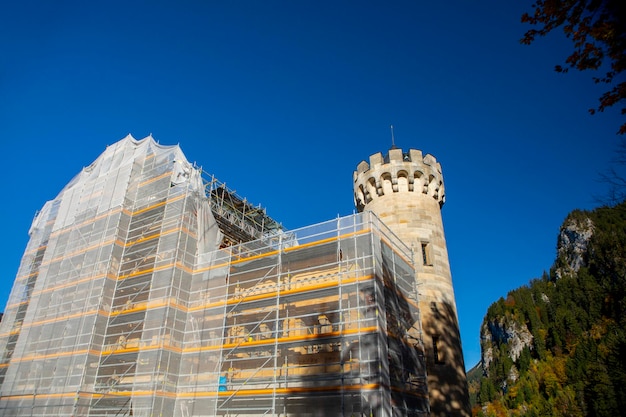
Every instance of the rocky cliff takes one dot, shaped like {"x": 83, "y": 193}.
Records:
{"x": 507, "y": 329}
{"x": 557, "y": 346}
{"x": 572, "y": 244}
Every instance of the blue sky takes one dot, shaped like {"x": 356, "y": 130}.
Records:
{"x": 281, "y": 100}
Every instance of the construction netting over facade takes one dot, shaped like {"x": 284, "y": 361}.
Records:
{"x": 128, "y": 302}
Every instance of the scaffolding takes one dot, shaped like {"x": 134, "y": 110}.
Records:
{"x": 326, "y": 327}
{"x": 132, "y": 299}
{"x": 238, "y": 219}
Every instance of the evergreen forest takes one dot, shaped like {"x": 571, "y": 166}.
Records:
{"x": 557, "y": 346}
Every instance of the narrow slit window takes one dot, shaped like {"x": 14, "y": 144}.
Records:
{"x": 426, "y": 258}
{"x": 436, "y": 351}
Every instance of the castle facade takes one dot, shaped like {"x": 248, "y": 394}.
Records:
{"x": 148, "y": 288}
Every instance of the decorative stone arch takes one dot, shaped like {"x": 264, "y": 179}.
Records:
{"x": 386, "y": 182}
{"x": 360, "y": 196}
{"x": 438, "y": 190}
{"x": 404, "y": 184}
{"x": 433, "y": 186}
{"x": 371, "y": 189}
{"x": 418, "y": 179}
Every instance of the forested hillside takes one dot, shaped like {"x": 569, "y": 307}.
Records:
{"x": 557, "y": 347}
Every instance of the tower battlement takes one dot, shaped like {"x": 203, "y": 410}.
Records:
{"x": 398, "y": 172}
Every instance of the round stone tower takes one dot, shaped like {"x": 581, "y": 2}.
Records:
{"x": 405, "y": 190}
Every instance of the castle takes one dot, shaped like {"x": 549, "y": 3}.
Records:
{"x": 148, "y": 288}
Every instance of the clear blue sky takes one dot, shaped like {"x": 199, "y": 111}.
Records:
{"x": 282, "y": 99}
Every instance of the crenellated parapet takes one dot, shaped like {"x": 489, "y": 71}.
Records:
{"x": 398, "y": 172}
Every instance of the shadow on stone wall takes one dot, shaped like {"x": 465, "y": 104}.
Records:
{"x": 447, "y": 380}
{"x": 373, "y": 386}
